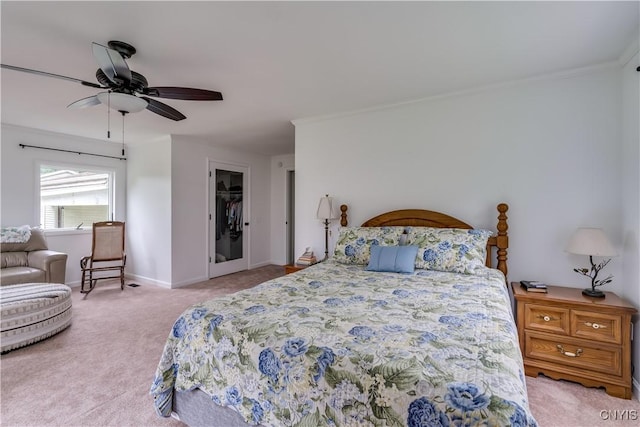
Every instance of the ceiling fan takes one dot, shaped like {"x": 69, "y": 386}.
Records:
{"x": 126, "y": 90}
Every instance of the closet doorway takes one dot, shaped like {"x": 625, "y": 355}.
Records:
{"x": 228, "y": 218}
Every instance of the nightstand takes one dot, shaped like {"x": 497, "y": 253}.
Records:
{"x": 566, "y": 335}
{"x": 292, "y": 268}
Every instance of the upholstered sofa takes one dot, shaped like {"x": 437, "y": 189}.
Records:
{"x": 31, "y": 261}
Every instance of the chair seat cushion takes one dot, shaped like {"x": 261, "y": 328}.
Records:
{"x": 31, "y": 312}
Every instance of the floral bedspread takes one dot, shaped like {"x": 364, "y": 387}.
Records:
{"x": 335, "y": 345}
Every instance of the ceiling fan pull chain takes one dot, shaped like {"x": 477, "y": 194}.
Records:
{"x": 109, "y": 115}
{"x": 123, "y": 113}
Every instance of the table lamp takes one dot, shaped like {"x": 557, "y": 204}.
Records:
{"x": 592, "y": 242}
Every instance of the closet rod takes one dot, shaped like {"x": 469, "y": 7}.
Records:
{"x": 70, "y": 151}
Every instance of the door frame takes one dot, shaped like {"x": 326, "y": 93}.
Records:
{"x": 289, "y": 214}
{"x": 240, "y": 264}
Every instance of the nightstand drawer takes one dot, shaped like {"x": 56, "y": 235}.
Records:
{"x": 547, "y": 319}
{"x": 571, "y": 352}
{"x": 596, "y": 326}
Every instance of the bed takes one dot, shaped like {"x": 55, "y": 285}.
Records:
{"x": 409, "y": 323}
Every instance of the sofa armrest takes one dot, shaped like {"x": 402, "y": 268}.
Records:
{"x": 54, "y": 264}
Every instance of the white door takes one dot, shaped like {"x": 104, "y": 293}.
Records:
{"x": 228, "y": 218}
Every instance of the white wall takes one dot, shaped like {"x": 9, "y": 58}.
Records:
{"x": 18, "y": 186}
{"x": 631, "y": 197}
{"x": 189, "y": 174}
{"x": 149, "y": 217}
{"x": 550, "y": 148}
{"x": 280, "y": 166}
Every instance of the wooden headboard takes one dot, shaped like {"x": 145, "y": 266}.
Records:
{"x": 425, "y": 218}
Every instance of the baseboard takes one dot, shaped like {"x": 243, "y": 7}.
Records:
{"x": 168, "y": 285}
{"x": 188, "y": 282}
{"x": 146, "y": 280}
{"x": 261, "y": 264}
{"x": 75, "y": 284}
{"x": 130, "y": 278}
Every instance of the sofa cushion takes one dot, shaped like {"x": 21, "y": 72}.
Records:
{"x": 37, "y": 242}
{"x": 15, "y": 275}
{"x": 14, "y": 259}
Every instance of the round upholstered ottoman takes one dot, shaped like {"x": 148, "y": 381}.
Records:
{"x": 31, "y": 312}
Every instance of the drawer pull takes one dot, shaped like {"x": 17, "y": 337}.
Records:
{"x": 546, "y": 318}
{"x": 568, "y": 353}
{"x": 595, "y": 325}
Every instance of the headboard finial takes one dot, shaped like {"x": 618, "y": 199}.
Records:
{"x": 343, "y": 215}
{"x": 502, "y": 240}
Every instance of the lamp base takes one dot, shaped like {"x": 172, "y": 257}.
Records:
{"x": 593, "y": 293}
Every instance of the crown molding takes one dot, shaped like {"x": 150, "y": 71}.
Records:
{"x": 574, "y": 72}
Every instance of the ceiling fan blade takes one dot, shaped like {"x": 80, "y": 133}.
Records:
{"x": 163, "y": 109}
{"x": 112, "y": 64}
{"x": 184, "y": 93}
{"x": 44, "y": 73}
{"x": 85, "y": 102}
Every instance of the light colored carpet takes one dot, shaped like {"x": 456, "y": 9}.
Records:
{"x": 98, "y": 371}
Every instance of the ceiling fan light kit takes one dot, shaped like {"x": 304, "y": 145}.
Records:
{"x": 125, "y": 88}
{"x": 122, "y": 102}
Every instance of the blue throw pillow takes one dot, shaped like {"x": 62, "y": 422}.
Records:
{"x": 394, "y": 259}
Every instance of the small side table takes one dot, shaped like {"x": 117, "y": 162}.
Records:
{"x": 292, "y": 268}
{"x": 566, "y": 335}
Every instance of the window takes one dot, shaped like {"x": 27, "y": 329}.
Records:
{"x": 74, "y": 196}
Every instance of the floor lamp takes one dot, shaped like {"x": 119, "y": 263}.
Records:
{"x": 326, "y": 212}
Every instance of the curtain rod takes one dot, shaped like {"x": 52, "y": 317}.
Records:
{"x": 70, "y": 151}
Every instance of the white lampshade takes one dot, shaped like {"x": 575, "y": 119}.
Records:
{"x": 592, "y": 242}
{"x": 327, "y": 209}
{"x": 122, "y": 101}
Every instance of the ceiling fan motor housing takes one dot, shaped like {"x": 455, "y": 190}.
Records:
{"x": 124, "y": 49}
{"x": 137, "y": 84}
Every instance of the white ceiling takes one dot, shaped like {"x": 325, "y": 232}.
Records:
{"x": 279, "y": 61}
